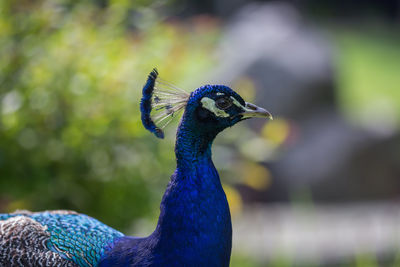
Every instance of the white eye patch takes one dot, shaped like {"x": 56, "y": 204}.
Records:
{"x": 209, "y": 104}
{"x": 236, "y": 103}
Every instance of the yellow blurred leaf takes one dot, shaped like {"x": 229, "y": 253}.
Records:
{"x": 256, "y": 176}
{"x": 276, "y": 131}
{"x": 234, "y": 200}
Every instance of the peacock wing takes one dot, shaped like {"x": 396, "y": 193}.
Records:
{"x": 52, "y": 238}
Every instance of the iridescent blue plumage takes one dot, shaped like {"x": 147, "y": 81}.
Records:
{"x": 194, "y": 227}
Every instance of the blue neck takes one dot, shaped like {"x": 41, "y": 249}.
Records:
{"x": 195, "y": 220}
{"x": 194, "y": 227}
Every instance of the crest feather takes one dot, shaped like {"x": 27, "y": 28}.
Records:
{"x": 160, "y": 103}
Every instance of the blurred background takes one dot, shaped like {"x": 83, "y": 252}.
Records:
{"x": 317, "y": 186}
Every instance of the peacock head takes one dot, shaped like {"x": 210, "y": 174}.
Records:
{"x": 216, "y": 107}
{"x": 208, "y": 109}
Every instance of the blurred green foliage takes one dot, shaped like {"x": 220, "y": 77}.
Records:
{"x": 70, "y": 84}
{"x": 368, "y": 63}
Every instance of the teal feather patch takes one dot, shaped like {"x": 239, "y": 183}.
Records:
{"x": 75, "y": 237}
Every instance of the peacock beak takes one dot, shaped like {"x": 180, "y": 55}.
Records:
{"x": 253, "y": 111}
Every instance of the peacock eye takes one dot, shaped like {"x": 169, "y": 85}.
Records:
{"x": 223, "y": 103}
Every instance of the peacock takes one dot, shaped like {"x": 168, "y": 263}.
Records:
{"x": 194, "y": 227}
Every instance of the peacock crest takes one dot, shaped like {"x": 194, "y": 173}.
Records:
{"x": 161, "y": 102}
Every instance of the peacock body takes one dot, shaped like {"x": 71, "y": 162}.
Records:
{"x": 194, "y": 227}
